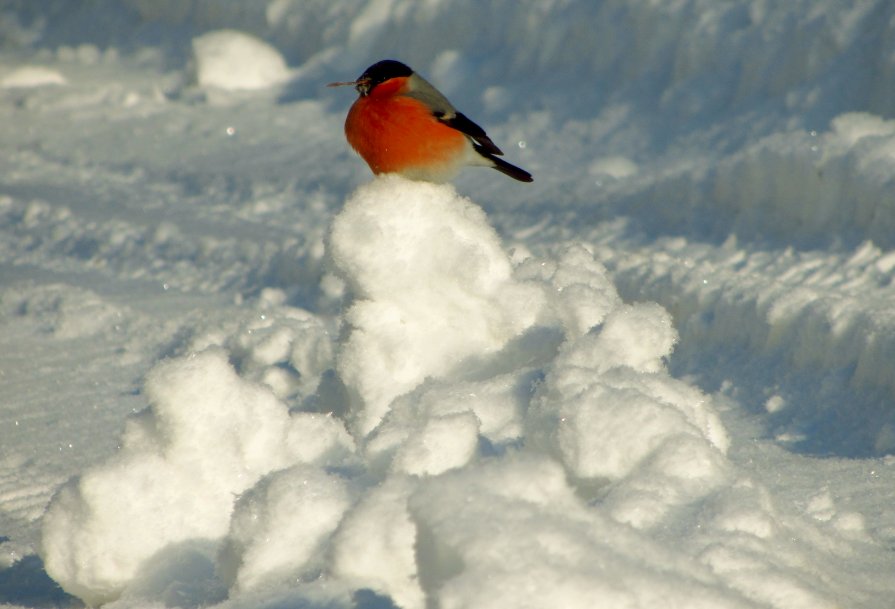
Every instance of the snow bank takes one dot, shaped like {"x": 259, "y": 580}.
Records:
{"x": 804, "y": 192}
{"x": 812, "y": 188}
{"x": 693, "y": 59}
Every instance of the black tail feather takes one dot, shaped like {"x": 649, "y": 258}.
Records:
{"x": 517, "y": 173}
{"x": 514, "y": 172}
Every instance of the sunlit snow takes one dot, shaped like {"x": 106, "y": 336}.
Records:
{"x": 237, "y": 370}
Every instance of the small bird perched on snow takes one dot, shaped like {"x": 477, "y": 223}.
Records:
{"x": 402, "y": 124}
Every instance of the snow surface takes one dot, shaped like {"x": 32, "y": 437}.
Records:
{"x": 237, "y": 371}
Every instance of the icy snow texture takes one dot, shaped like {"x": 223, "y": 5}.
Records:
{"x": 707, "y": 249}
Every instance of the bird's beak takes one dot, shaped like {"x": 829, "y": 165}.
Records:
{"x": 362, "y": 85}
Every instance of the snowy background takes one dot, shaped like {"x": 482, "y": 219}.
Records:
{"x": 238, "y": 371}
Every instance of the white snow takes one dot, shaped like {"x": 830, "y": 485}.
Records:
{"x": 432, "y": 287}
{"x": 236, "y": 370}
{"x": 31, "y": 76}
{"x": 207, "y": 436}
{"x": 280, "y": 528}
{"x": 233, "y": 60}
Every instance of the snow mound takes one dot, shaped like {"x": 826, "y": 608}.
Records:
{"x": 207, "y": 437}
{"x": 432, "y": 287}
{"x": 233, "y": 60}
{"x": 608, "y": 411}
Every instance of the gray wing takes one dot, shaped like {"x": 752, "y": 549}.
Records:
{"x": 447, "y": 114}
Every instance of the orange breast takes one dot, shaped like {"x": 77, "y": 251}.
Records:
{"x": 398, "y": 134}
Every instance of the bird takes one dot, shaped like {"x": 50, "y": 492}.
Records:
{"x": 402, "y": 124}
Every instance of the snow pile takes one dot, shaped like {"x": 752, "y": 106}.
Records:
{"x": 432, "y": 287}
{"x": 609, "y": 412}
{"x": 232, "y": 60}
{"x": 207, "y": 437}
{"x": 511, "y": 423}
